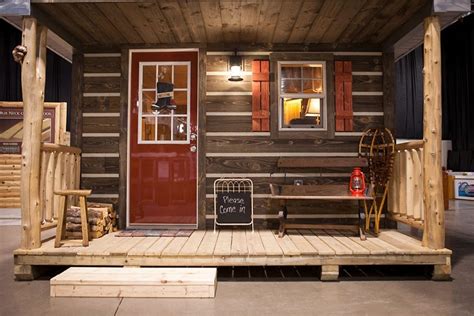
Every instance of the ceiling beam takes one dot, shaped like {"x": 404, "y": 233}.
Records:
{"x": 51, "y": 24}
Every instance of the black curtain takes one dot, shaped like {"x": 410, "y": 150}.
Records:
{"x": 10, "y": 73}
{"x": 409, "y": 96}
{"x": 458, "y": 92}
{"x": 58, "y": 70}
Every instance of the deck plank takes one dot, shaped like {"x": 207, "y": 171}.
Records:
{"x": 402, "y": 247}
{"x": 303, "y": 245}
{"x": 206, "y": 248}
{"x": 373, "y": 248}
{"x": 355, "y": 247}
{"x": 254, "y": 243}
{"x": 270, "y": 244}
{"x": 123, "y": 248}
{"x": 321, "y": 247}
{"x": 223, "y": 244}
{"x": 239, "y": 243}
{"x": 339, "y": 248}
{"x": 103, "y": 248}
{"x": 142, "y": 247}
{"x": 391, "y": 249}
{"x": 413, "y": 241}
{"x": 157, "y": 248}
{"x": 174, "y": 247}
{"x": 288, "y": 247}
{"x": 97, "y": 245}
{"x": 192, "y": 244}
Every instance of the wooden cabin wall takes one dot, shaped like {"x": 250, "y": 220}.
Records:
{"x": 234, "y": 150}
{"x": 101, "y": 126}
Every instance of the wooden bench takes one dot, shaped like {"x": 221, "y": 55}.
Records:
{"x": 339, "y": 192}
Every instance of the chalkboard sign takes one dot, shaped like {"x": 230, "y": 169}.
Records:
{"x": 234, "y": 208}
{"x": 233, "y": 202}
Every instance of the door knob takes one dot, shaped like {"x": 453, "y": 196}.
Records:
{"x": 193, "y": 148}
{"x": 193, "y": 136}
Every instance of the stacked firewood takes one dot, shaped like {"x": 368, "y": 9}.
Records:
{"x": 101, "y": 218}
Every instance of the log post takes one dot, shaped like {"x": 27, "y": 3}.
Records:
{"x": 33, "y": 79}
{"x": 434, "y": 234}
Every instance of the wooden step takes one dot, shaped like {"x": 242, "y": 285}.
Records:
{"x": 135, "y": 282}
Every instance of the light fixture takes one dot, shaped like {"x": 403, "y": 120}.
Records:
{"x": 314, "y": 110}
{"x": 235, "y": 68}
{"x": 314, "y": 107}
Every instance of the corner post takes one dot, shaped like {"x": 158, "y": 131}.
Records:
{"x": 434, "y": 232}
{"x": 33, "y": 72}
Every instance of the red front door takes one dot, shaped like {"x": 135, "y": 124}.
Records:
{"x": 163, "y": 142}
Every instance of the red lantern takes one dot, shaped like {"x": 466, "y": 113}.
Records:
{"x": 357, "y": 182}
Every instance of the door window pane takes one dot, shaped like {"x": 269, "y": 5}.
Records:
{"x": 148, "y": 98}
{"x": 180, "y": 76}
{"x": 164, "y": 128}
{"x": 181, "y": 99}
{"x": 149, "y": 77}
{"x": 180, "y": 128}
{"x": 164, "y": 73}
{"x": 148, "y": 128}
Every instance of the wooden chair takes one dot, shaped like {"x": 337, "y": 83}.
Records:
{"x": 61, "y": 228}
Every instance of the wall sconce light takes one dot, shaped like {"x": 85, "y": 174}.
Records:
{"x": 235, "y": 68}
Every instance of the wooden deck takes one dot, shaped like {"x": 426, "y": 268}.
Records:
{"x": 328, "y": 248}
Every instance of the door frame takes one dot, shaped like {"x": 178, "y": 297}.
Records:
{"x": 129, "y": 104}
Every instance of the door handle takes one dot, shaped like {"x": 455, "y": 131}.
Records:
{"x": 193, "y": 148}
{"x": 193, "y": 137}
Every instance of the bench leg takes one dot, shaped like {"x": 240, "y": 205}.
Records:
{"x": 329, "y": 272}
{"x": 362, "y": 220}
{"x": 61, "y": 228}
{"x": 84, "y": 221}
{"x": 282, "y": 216}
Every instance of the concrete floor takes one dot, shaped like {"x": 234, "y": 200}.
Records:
{"x": 297, "y": 297}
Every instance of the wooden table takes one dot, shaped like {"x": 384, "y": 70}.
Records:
{"x": 339, "y": 192}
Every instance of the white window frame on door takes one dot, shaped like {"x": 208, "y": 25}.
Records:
{"x": 129, "y": 101}
{"x": 156, "y": 116}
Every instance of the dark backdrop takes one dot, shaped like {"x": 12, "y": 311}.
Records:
{"x": 457, "y": 49}
{"x": 58, "y": 70}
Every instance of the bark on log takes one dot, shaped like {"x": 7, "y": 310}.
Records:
{"x": 434, "y": 233}
{"x": 33, "y": 83}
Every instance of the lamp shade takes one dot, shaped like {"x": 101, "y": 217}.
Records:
{"x": 314, "y": 107}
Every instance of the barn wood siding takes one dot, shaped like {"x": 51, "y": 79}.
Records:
{"x": 101, "y": 126}
{"x": 256, "y": 156}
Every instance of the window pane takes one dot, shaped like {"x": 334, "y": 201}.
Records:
{"x": 164, "y": 73}
{"x": 313, "y": 72}
{"x": 148, "y": 98}
{"x": 291, "y": 86}
{"x": 164, "y": 128}
{"x": 180, "y": 128}
{"x": 181, "y": 99}
{"x": 181, "y": 77}
{"x": 148, "y": 128}
{"x": 313, "y": 86}
{"x": 149, "y": 77}
{"x": 302, "y": 112}
{"x": 291, "y": 71}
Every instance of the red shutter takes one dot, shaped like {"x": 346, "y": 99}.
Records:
{"x": 344, "y": 113}
{"x": 260, "y": 96}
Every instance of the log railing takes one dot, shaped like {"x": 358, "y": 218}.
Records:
{"x": 60, "y": 170}
{"x": 405, "y": 201}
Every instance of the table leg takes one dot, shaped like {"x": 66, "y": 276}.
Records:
{"x": 361, "y": 221}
